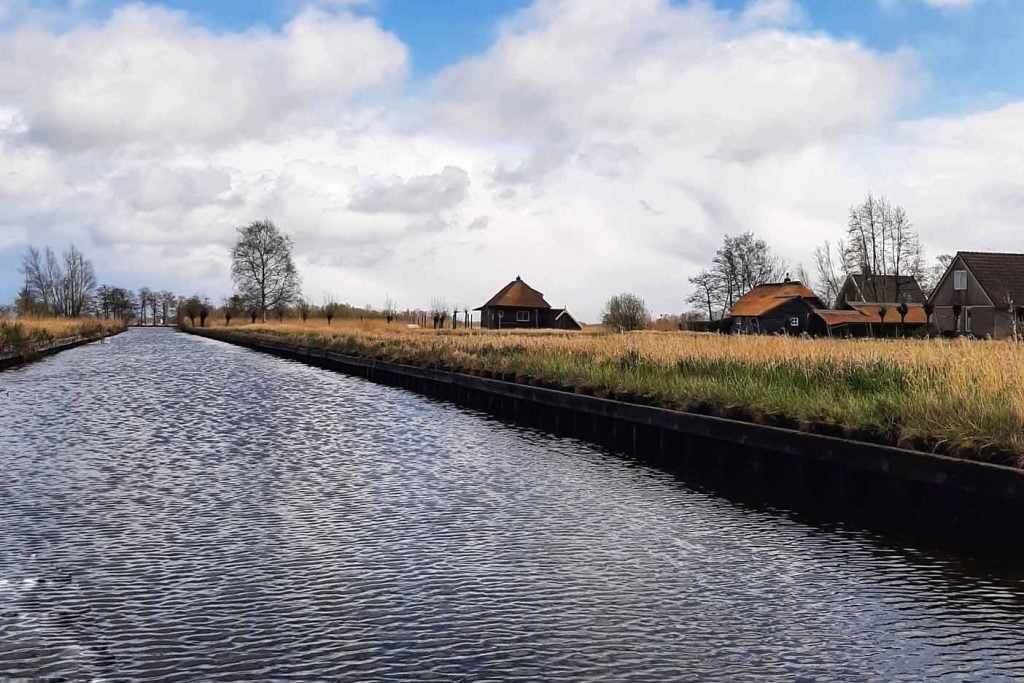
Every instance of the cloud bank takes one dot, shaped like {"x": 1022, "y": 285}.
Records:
{"x": 595, "y": 147}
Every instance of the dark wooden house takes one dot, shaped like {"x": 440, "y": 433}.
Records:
{"x": 981, "y": 294}
{"x": 520, "y": 306}
{"x": 777, "y": 308}
{"x": 861, "y": 288}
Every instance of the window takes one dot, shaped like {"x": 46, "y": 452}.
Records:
{"x": 959, "y": 280}
{"x": 522, "y": 316}
{"x": 794, "y": 321}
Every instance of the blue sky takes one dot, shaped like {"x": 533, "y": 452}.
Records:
{"x": 974, "y": 52}
{"x": 774, "y": 126}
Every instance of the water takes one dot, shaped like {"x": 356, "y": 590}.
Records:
{"x": 179, "y": 509}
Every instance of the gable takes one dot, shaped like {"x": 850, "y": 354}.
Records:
{"x": 1000, "y": 275}
{"x": 946, "y": 295}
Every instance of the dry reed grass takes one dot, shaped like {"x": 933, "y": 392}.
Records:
{"x": 955, "y": 396}
{"x": 21, "y": 334}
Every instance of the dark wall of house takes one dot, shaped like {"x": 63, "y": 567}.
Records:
{"x": 776, "y": 320}
{"x": 543, "y": 318}
{"x": 985, "y": 320}
{"x": 505, "y": 317}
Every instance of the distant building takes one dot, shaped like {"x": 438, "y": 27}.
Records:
{"x": 866, "y": 320}
{"x": 861, "y": 288}
{"x": 859, "y": 306}
{"x": 782, "y": 307}
{"x": 518, "y": 306}
{"x": 982, "y": 294}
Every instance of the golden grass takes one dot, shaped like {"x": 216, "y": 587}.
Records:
{"x": 955, "y": 396}
{"x": 17, "y": 335}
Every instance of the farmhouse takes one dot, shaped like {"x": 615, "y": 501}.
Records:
{"x": 518, "y": 305}
{"x": 776, "y": 308}
{"x": 981, "y": 294}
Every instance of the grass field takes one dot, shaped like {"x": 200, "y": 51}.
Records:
{"x": 958, "y": 397}
{"x": 26, "y": 333}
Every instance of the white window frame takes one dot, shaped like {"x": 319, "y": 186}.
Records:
{"x": 959, "y": 280}
{"x": 794, "y": 321}
{"x": 520, "y": 316}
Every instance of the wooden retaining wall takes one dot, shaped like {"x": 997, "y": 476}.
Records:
{"x": 933, "y": 495}
{"x": 37, "y": 352}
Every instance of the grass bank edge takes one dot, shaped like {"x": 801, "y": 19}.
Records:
{"x": 27, "y": 335}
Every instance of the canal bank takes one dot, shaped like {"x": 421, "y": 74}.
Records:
{"x": 38, "y": 352}
{"x": 947, "y": 499}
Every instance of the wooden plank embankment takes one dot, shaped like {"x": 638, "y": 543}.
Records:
{"x": 35, "y": 353}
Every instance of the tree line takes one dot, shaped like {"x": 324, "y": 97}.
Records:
{"x": 880, "y": 241}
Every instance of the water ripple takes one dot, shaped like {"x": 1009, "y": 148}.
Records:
{"x": 180, "y": 509}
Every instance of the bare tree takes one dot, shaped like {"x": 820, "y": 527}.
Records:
{"x": 744, "y": 262}
{"x": 38, "y": 285}
{"x": 626, "y": 312}
{"x": 144, "y": 298}
{"x": 802, "y": 275}
{"x": 262, "y": 267}
{"x": 882, "y": 242}
{"x": 233, "y": 305}
{"x": 707, "y": 291}
{"x": 167, "y": 301}
{"x": 63, "y": 289}
{"x": 204, "y": 312}
{"x": 438, "y": 311}
{"x": 304, "y": 308}
{"x": 931, "y": 276}
{"x": 193, "y": 307}
{"x": 329, "y": 308}
{"x": 828, "y": 262}
{"x": 389, "y": 308}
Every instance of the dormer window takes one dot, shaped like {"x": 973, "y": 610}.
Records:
{"x": 959, "y": 280}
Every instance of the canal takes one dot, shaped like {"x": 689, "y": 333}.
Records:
{"x": 176, "y": 508}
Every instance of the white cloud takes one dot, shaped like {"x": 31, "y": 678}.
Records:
{"x": 150, "y": 76}
{"x": 421, "y": 194}
{"x": 597, "y": 146}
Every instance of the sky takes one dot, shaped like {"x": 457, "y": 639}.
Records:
{"x": 421, "y": 149}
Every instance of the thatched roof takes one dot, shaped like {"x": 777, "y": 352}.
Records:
{"x": 764, "y": 298}
{"x": 517, "y": 294}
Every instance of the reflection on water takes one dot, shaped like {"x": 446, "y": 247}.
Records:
{"x": 178, "y": 508}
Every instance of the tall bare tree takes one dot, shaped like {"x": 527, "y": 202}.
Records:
{"x": 167, "y": 302}
{"x": 931, "y": 276}
{"x": 329, "y": 308}
{"x": 744, "y": 262}
{"x": 828, "y": 263}
{"x": 390, "y": 308}
{"x": 262, "y": 267}
{"x": 882, "y": 242}
{"x": 707, "y": 291}
{"x": 64, "y": 289}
